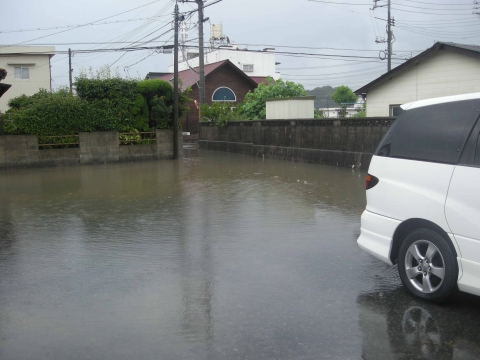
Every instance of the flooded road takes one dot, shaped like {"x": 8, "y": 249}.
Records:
{"x": 217, "y": 256}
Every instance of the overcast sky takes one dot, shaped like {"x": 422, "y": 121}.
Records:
{"x": 331, "y": 27}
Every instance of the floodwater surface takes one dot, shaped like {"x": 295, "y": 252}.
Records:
{"x": 215, "y": 256}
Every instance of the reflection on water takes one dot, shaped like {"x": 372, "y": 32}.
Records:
{"x": 396, "y": 326}
{"x": 217, "y": 256}
{"x": 421, "y": 331}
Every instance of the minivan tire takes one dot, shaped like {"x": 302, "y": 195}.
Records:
{"x": 427, "y": 266}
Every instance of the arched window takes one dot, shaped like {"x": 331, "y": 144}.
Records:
{"x": 223, "y": 94}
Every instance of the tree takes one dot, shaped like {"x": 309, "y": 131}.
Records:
{"x": 254, "y": 104}
{"x": 318, "y": 114}
{"x": 362, "y": 113}
{"x": 343, "y": 96}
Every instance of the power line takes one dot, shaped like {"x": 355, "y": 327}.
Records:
{"x": 446, "y": 21}
{"x": 139, "y": 29}
{"x": 374, "y": 69}
{"x": 435, "y": 30}
{"x": 431, "y": 3}
{"x": 306, "y": 47}
{"x": 90, "y": 23}
{"x": 426, "y": 13}
{"x": 443, "y": 26}
{"x": 429, "y": 8}
{"x": 203, "y": 7}
{"x": 338, "y": 3}
{"x": 74, "y": 26}
{"x": 426, "y": 32}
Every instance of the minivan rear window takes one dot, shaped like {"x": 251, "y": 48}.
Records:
{"x": 433, "y": 133}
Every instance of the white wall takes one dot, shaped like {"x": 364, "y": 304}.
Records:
{"x": 294, "y": 108}
{"x": 334, "y": 112}
{"x": 264, "y": 61}
{"x": 444, "y": 73}
{"x": 36, "y": 59}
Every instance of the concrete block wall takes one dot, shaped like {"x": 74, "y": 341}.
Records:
{"x": 96, "y": 147}
{"x": 342, "y": 142}
{"x": 138, "y": 152}
{"x": 19, "y": 150}
{"x": 99, "y": 147}
{"x": 54, "y": 157}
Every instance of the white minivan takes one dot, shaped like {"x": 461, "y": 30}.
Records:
{"x": 423, "y": 197}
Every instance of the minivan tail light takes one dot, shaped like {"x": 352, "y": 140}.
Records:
{"x": 371, "y": 181}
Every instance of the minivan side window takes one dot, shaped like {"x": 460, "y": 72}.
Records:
{"x": 435, "y": 133}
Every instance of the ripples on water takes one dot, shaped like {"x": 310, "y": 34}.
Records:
{"x": 217, "y": 256}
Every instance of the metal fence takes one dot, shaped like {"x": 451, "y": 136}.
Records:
{"x": 58, "y": 142}
{"x": 137, "y": 138}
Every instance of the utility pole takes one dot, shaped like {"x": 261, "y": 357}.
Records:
{"x": 175, "y": 88}
{"x": 70, "y": 68}
{"x": 201, "y": 59}
{"x": 390, "y": 37}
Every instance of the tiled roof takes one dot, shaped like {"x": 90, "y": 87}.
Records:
{"x": 259, "y": 79}
{"x": 190, "y": 77}
{"x": 155, "y": 75}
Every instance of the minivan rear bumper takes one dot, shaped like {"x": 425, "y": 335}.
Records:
{"x": 376, "y": 235}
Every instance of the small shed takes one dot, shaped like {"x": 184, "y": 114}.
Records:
{"x": 291, "y": 108}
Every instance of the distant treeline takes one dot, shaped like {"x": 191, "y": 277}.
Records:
{"x": 324, "y": 97}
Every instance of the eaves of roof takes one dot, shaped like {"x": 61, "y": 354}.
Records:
{"x": 469, "y": 50}
{"x": 4, "y": 88}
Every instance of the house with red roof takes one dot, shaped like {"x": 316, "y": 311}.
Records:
{"x": 224, "y": 82}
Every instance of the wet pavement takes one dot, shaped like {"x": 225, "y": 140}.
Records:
{"x": 216, "y": 256}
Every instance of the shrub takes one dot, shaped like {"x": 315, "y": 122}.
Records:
{"x": 139, "y": 111}
{"x": 60, "y": 114}
{"x": 2, "y": 123}
{"x": 159, "y": 97}
{"x": 101, "y": 104}
{"x": 151, "y": 88}
{"x": 220, "y": 112}
{"x": 254, "y": 104}
{"x": 115, "y": 90}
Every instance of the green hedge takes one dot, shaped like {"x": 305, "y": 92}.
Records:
{"x": 116, "y": 89}
{"x": 111, "y": 104}
{"x": 54, "y": 114}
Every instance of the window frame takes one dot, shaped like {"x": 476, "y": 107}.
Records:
{"x": 471, "y": 151}
{"x": 224, "y": 87}
{"x": 391, "y": 108}
{"x": 22, "y": 68}
{"x": 248, "y": 67}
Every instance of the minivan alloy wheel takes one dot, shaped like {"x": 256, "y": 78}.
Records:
{"x": 427, "y": 265}
{"x": 424, "y": 266}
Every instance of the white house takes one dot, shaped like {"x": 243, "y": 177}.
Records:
{"x": 351, "y": 110}
{"x": 28, "y": 69}
{"x": 336, "y": 112}
{"x": 254, "y": 63}
{"x": 442, "y": 70}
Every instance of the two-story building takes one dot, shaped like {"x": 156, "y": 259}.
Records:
{"x": 28, "y": 70}
{"x": 254, "y": 63}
